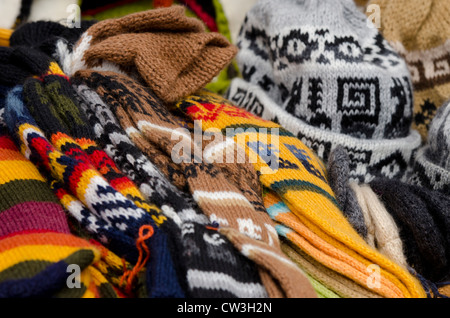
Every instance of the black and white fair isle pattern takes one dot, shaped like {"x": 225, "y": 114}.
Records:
{"x": 328, "y": 89}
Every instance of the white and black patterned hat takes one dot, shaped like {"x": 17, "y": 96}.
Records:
{"x": 431, "y": 167}
{"x": 322, "y": 71}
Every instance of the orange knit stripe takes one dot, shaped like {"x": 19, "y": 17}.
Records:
{"x": 50, "y": 238}
{"x": 7, "y": 154}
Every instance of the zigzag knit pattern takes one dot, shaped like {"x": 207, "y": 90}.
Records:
{"x": 80, "y": 177}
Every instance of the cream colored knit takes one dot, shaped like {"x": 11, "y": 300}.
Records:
{"x": 386, "y": 233}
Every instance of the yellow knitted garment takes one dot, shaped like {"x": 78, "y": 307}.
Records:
{"x": 5, "y": 34}
{"x": 299, "y": 178}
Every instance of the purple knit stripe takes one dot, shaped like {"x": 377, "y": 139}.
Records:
{"x": 29, "y": 216}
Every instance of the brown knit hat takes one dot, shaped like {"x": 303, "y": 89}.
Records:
{"x": 172, "y": 53}
{"x": 419, "y": 30}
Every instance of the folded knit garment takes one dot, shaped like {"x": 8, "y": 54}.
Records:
{"x": 294, "y": 172}
{"x": 221, "y": 199}
{"x": 306, "y": 179}
{"x": 430, "y": 167}
{"x": 54, "y": 37}
{"x": 324, "y": 259}
{"x": 423, "y": 218}
{"x": 112, "y": 208}
{"x": 211, "y": 267}
{"x": 38, "y": 251}
{"x": 384, "y": 232}
{"x": 332, "y": 280}
{"x": 338, "y": 169}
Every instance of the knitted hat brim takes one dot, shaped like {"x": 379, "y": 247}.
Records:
{"x": 371, "y": 157}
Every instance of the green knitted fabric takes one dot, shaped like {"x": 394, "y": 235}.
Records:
{"x": 321, "y": 290}
{"x": 129, "y": 8}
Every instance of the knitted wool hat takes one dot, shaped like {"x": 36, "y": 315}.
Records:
{"x": 431, "y": 164}
{"x": 438, "y": 206}
{"x": 419, "y": 220}
{"x": 11, "y": 74}
{"x": 341, "y": 285}
{"x": 419, "y": 30}
{"x": 326, "y": 255}
{"x": 317, "y": 69}
{"x": 43, "y": 35}
{"x": 24, "y": 190}
{"x": 117, "y": 229}
{"x": 177, "y": 58}
{"x": 210, "y": 12}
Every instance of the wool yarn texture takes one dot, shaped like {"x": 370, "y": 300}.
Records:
{"x": 431, "y": 164}
{"x": 335, "y": 282}
{"x": 44, "y": 35}
{"x": 425, "y": 243}
{"x": 299, "y": 177}
{"x": 385, "y": 233}
{"x": 55, "y": 38}
{"x": 81, "y": 207}
{"x": 84, "y": 147}
{"x": 107, "y": 180}
{"x": 338, "y": 169}
{"x": 199, "y": 245}
{"x": 318, "y": 69}
{"x": 178, "y": 58}
{"x": 420, "y": 32}
{"x": 218, "y": 198}
{"x": 326, "y": 254}
{"x": 36, "y": 244}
